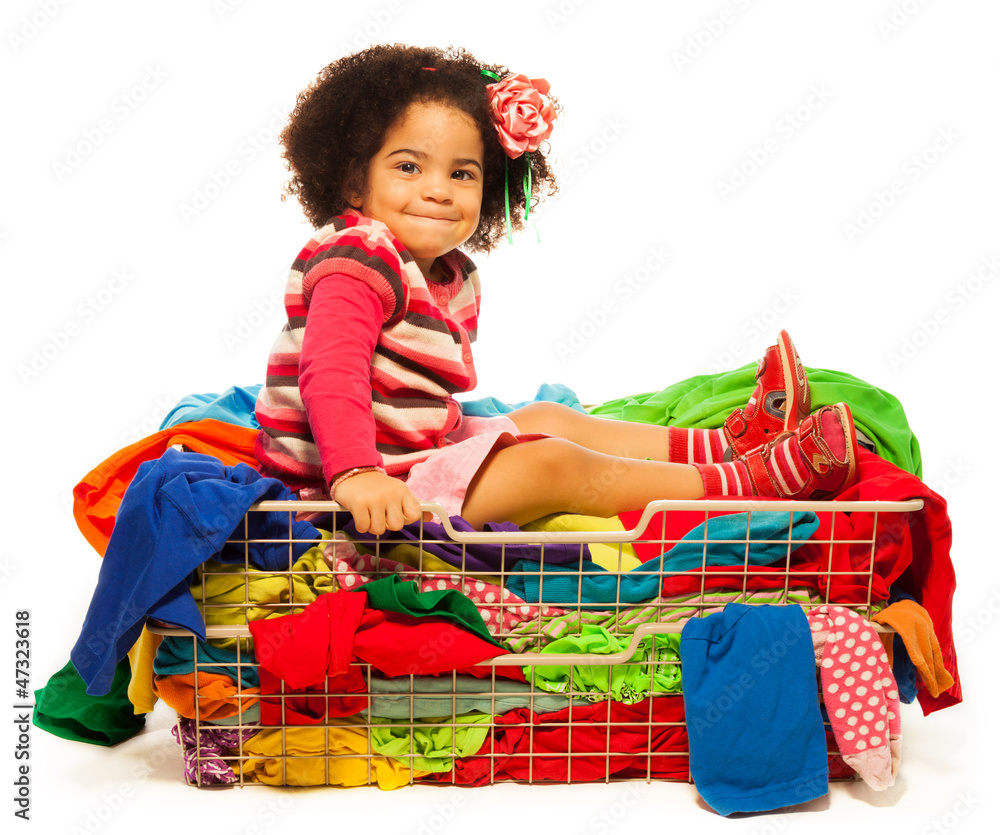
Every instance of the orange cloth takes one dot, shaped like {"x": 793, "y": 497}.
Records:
{"x": 887, "y": 638}
{"x": 913, "y": 624}
{"x": 97, "y": 496}
{"x": 217, "y": 697}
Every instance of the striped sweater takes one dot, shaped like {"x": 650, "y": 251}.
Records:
{"x": 423, "y": 355}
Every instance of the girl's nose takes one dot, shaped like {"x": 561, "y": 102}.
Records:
{"x": 437, "y": 188}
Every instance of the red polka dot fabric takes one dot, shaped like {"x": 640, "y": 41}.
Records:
{"x": 500, "y": 610}
{"x": 859, "y": 692}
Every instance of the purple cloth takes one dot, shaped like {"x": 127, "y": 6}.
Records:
{"x": 484, "y": 558}
{"x": 205, "y": 759}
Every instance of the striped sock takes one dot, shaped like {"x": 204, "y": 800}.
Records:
{"x": 696, "y": 446}
{"x": 787, "y": 466}
{"x": 784, "y": 474}
{"x": 730, "y": 479}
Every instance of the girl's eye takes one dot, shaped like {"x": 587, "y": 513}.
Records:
{"x": 408, "y": 167}
{"x": 464, "y": 175}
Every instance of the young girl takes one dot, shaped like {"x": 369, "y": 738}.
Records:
{"x": 400, "y": 156}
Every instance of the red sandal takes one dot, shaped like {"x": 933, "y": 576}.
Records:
{"x": 779, "y": 403}
{"x": 816, "y": 461}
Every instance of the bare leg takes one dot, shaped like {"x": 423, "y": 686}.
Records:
{"x": 620, "y": 438}
{"x": 527, "y": 481}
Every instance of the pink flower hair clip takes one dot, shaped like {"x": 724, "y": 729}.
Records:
{"x": 522, "y": 112}
{"x": 523, "y": 116}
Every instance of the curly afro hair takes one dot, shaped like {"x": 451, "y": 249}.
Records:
{"x": 340, "y": 121}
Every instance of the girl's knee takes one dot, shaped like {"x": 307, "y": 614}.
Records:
{"x": 543, "y": 417}
{"x": 544, "y": 463}
{"x": 557, "y": 462}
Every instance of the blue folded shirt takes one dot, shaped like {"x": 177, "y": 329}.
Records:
{"x": 178, "y": 511}
{"x": 755, "y": 733}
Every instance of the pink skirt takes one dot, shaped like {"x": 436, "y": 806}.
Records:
{"x": 445, "y": 476}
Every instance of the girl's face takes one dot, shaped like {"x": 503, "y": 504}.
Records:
{"x": 426, "y": 181}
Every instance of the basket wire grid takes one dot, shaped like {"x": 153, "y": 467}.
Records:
{"x": 633, "y": 626}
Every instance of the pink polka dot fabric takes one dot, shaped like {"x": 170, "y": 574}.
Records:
{"x": 859, "y": 692}
{"x": 500, "y": 610}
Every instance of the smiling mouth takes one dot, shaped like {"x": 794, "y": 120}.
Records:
{"x": 433, "y": 217}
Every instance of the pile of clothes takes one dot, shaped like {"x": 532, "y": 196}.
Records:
{"x": 396, "y": 659}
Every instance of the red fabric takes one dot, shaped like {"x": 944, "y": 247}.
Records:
{"x": 672, "y": 525}
{"x": 303, "y": 649}
{"x": 313, "y": 650}
{"x": 520, "y": 732}
{"x": 915, "y": 549}
{"x": 399, "y": 645}
{"x": 579, "y": 745}
{"x": 310, "y": 706}
{"x": 911, "y": 549}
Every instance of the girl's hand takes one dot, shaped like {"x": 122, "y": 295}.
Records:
{"x": 378, "y": 502}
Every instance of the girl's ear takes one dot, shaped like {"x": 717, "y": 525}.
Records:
{"x": 354, "y": 187}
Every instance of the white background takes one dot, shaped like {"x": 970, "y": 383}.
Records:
{"x": 663, "y": 103}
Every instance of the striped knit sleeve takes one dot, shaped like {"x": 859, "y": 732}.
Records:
{"x": 365, "y": 252}
{"x": 342, "y": 329}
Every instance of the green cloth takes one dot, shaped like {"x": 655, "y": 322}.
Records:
{"x": 64, "y": 708}
{"x": 393, "y": 594}
{"x": 705, "y": 401}
{"x": 395, "y": 698}
{"x": 629, "y": 682}
{"x": 430, "y": 747}
{"x": 531, "y": 635}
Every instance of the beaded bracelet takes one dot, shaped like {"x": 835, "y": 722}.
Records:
{"x": 344, "y": 476}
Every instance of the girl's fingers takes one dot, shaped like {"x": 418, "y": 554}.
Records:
{"x": 378, "y": 524}
{"x": 395, "y": 517}
{"x": 362, "y": 519}
{"x": 411, "y": 509}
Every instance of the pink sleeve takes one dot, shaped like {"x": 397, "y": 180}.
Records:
{"x": 342, "y": 328}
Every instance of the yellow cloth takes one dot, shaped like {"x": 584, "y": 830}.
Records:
{"x": 140, "y": 659}
{"x": 310, "y": 759}
{"x": 231, "y": 594}
{"x": 604, "y": 554}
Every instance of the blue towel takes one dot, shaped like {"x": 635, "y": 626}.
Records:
{"x": 755, "y": 731}
{"x": 235, "y": 405}
{"x": 548, "y": 392}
